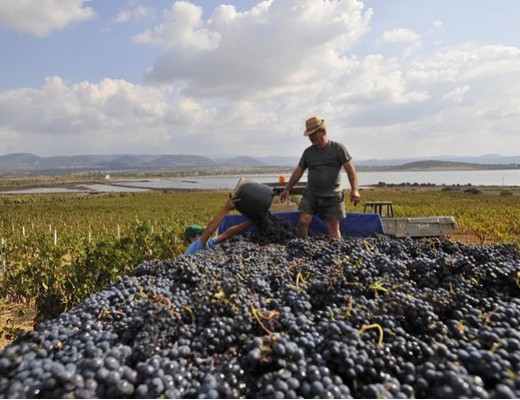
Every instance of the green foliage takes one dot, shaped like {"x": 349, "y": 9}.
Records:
{"x": 99, "y": 239}
{"x": 473, "y": 190}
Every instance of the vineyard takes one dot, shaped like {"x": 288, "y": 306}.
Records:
{"x": 57, "y": 250}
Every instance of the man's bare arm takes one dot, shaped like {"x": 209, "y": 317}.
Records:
{"x": 355, "y": 197}
{"x": 295, "y": 178}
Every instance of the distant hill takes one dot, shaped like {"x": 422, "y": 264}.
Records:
{"x": 280, "y": 161}
{"x": 127, "y": 161}
{"x": 486, "y": 159}
{"x": 18, "y": 161}
{"x": 179, "y": 161}
{"x": 243, "y": 162}
{"x": 26, "y": 163}
{"x": 439, "y": 165}
{"x": 30, "y": 163}
{"x": 435, "y": 164}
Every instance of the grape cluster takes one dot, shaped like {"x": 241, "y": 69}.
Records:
{"x": 253, "y": 318}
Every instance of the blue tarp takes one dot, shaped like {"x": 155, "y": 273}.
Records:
{"x": 355, "y": 224}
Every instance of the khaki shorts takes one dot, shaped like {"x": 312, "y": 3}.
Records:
{"x": 328, "y": 208}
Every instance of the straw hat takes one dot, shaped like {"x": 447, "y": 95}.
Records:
{"x": 313, "y": 124}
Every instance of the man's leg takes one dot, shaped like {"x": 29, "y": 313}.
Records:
{"x": 332, "y": 211}
{"x": 303, "y": 225}
{"x": 333, "y": 227}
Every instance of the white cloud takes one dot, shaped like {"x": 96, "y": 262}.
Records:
{"x": 437, "y": 24}
{"x": 275, "y": 45}
{"x": 42, "y": 17}
{"x": 462, "y": 64}
{"x": 399, "y": 36}
{"x": 474, "y": 101}
{"x": 181, "y": 29}
{"x": 107, "y": 116}
{"x": 456, "y": 95}
{"x": 402, "y": 36}
{"x": 138, "y": 13}
{"x": 244, "y": 82}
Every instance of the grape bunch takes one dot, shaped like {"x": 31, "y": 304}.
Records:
{"x": 368, "y": 317}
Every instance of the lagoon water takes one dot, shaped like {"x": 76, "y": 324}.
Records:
{"x": 506, "y": 177}
{"x": 485, "y": 177}
{"x": 49, "y": 190}
{"x": 509, "y": 177}
{"x": 94, "y": 188}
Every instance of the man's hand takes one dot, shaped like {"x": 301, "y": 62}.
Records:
{"x": 284, "y": 196}
{"x": 230, "y": 203}
{"x": 355, "y": 197}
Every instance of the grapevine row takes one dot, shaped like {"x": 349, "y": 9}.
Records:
{"x": 60, "y": 249}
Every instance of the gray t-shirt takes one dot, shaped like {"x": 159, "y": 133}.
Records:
{"x": 324, "y": 165}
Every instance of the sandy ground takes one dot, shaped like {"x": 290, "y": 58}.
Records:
{"x": 15, "y": 316}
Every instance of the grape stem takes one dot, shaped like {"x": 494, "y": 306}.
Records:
{"x": 258, "y": 314}
{"x": 364, "y": 328}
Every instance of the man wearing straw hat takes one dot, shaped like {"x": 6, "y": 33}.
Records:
{"x": 323, "y": 195}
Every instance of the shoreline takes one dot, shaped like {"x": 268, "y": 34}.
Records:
{"x": 123, "y": 183}
{"x": 81, "y": 188}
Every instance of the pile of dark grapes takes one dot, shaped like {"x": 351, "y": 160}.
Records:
{"x": 352, "y": 318}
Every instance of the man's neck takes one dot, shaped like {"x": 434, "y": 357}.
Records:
{"x": 325, "y": 144}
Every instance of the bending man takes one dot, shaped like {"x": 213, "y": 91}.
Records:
{"x": 199, "y": 238}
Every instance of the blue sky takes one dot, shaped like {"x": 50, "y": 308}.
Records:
{"x": 400, "y": 78}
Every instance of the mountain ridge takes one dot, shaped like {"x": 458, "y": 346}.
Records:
{"x": 31, "y": 163}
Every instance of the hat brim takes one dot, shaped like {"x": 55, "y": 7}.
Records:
{"x": 309, "y": 132}
{"x": 192, "y": 230}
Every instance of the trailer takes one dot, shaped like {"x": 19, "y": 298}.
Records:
{"x": 377, "y": 217}
{"x": 354, "y": 224}
{"x": 410, "y": 226}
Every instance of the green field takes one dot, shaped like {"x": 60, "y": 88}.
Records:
{"x": 59, "y": 249}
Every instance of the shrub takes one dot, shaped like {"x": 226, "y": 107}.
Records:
{"x": 506, "y": 192}
{"x": 473, "y": 190}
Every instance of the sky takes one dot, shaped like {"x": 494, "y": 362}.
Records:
{"x": 392, "y": 79}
